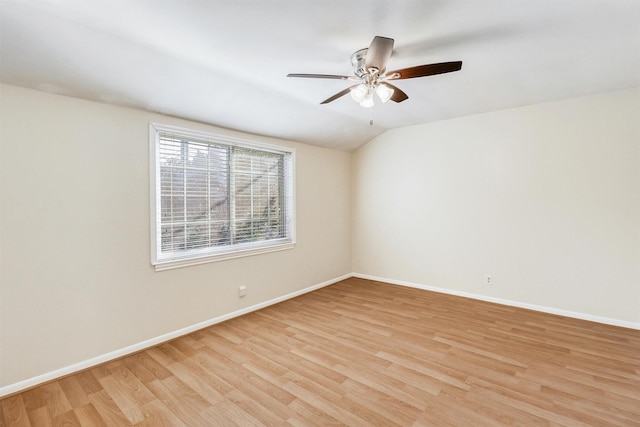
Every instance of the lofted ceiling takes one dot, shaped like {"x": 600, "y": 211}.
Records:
{"x": 225, "y": 62}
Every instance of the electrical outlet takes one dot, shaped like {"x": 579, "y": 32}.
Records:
{"x": 242, "y": 291}
{"x": 488, "y": 280}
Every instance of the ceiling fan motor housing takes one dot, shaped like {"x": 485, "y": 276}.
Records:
{"x": 358, "y": 62}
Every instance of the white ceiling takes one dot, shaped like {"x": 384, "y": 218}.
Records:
{"x": 225, "y": 62}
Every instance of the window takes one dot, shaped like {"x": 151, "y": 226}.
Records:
{"x": 215, "y": 197}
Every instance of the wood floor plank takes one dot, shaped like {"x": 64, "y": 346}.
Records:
{"x": 129, "y": 395}
{"x": 76, "y": 394}
{"x": 50, "y": 395}
{"x": 389, "y": 407}
{"x": 67, "y": 419}
{"x": 436, "y": 371}
{"x": 454, "y": 411}
{"x": 290, "y": 361}
{"x": 253, "y": 381}
{"x": 89, "y": 416}
{"x": 309, "y": 415}
{"x": 15, "y": 412}
{"x": 360, "y": 352}
{"x": 253, "y": 408}
{"x": 88, "y": 382}
{"x": 145, "y": 368}
{"x": 590, "y": 411}
{"x": 384, "y": 384}
{"x": 40, "y": 417}
{"x": 158, "y": 415}
{"x": 227, "y": 413}
{"x": 323, "y": 405}
{"x": 189, "y": 375}
{"x": 109, "y": 412}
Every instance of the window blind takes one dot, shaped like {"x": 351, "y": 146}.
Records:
{"x": 214, "y": 197}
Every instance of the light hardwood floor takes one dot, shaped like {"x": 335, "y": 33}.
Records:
{"x": 360, "y": 353}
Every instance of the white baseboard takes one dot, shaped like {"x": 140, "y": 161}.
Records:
{"x": 551, "y": 310}
{"x": 76, "y": 367}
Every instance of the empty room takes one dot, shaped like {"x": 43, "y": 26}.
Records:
{"x": 297, "y": 213}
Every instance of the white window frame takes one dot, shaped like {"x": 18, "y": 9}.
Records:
{"x": 220, "y": 253}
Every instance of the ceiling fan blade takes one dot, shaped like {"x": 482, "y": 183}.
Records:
{"x": 379, "y": 53}
{"x": 424, "y": 70}
{"x": 398, "y": 94}
{"x": 320, "y": 76}
{"x": 337, "y": 95}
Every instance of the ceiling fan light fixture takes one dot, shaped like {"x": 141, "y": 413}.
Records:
{"x": 359, "y": 93}
{"x": 384, "y": 92}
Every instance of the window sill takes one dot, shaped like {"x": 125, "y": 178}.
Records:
{"x": 204, "y": 259}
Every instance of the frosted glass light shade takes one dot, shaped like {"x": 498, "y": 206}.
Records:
{"x": 359, "y": 92}
{"x": 367, "y": 102}
{"x": 384, "y": 92}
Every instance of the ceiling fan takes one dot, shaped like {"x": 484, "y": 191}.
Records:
{"x": 369, "y": 65}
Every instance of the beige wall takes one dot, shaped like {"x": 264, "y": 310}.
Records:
{"x": 545, "y": 198}
{"x": 76, "y": 280}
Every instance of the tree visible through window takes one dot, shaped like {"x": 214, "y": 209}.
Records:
{"x": 214, "y": 197}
